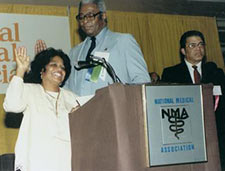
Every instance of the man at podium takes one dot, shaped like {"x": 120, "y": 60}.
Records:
{"x": 120, "y": 50}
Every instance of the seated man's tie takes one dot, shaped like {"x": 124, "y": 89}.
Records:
{"x": 197, "y": 76}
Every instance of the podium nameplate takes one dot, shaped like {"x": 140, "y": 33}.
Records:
{"x": 175, "y": 124}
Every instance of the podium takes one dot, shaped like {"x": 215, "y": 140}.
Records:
{"x": 108, "y": 133}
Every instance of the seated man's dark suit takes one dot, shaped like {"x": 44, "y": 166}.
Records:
{"x": 210, "y": 74}
{"x": 180, "y": 74}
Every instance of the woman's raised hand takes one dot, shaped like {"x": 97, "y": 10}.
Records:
{"x": 22, "y": 61}
{"x": 40, "y": 46}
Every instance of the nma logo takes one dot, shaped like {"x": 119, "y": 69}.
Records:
{"x": 176, "y": 117}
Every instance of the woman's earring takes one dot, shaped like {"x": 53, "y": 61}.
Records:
{"x": 41, "y": 74}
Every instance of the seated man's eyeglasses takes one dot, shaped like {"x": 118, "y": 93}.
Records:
{"x": 89, "y": 16}
{"x": 194, "y": 45}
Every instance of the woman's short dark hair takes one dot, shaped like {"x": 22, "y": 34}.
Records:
{"x": 41, "y": 60}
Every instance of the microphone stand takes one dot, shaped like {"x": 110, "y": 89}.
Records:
{"x": 107, "y": 66}
{"x": 95, "y": 61}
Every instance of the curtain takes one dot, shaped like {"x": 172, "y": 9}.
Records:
{"x": 157, "y": 34}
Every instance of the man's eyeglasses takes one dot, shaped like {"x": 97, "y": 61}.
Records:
{"x": 89, "y": 16}
{"x": 194, "y": 45}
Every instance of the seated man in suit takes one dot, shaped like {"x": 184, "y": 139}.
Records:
{"x": 194, "y": 69}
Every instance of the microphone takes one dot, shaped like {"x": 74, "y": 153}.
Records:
{"x": 107, "y": 66}
{"x": 97, "y": 59}
{"x": 85, "y": 64}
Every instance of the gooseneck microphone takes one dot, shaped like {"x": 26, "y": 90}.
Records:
{"x": 95, "y": 61}
{"x": 78, "y": 65}
{"x": 107, "y": 66}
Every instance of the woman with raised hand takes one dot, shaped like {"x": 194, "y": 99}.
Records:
{"x": 43, "y": 143}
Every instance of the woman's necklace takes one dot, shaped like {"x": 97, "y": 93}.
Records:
{"x": 50, "y": 94}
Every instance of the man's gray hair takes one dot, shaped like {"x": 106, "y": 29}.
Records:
{"x": 100, "y": 4}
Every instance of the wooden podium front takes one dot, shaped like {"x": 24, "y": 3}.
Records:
{"x": 108, "y": 133}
